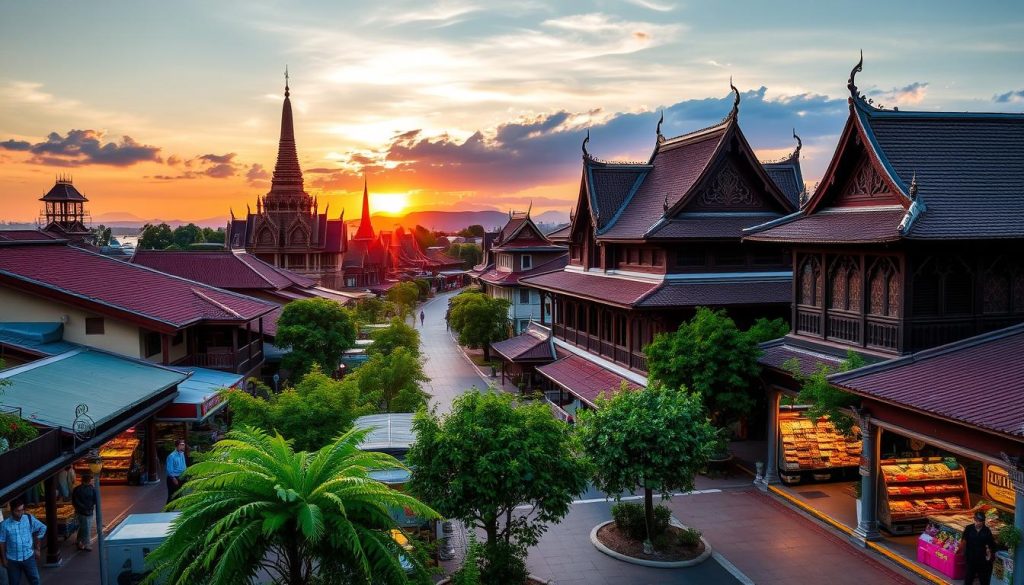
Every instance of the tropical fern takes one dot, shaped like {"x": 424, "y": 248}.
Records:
{"x": 257, "y": 510}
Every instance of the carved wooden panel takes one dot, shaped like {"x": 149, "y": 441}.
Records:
{"x": 866, "y": 186}
{"x": 728, "y": 190}
{"x": 810, "y": 282}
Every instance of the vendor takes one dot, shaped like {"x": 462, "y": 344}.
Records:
{"x": 979, "y": 548}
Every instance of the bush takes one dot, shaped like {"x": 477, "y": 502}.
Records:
{"x": 629, "y": 518}
{"x": 689, "y": 537}
{"x": 16, "y": 431}
{"x": 504, "y": 564}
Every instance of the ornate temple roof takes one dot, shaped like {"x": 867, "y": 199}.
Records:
{"x": 63, "y": 190}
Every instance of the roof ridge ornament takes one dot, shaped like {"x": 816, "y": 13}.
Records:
{"x": 658, "y": 129}
{"x": 851, "y": 84}
{"x": 736, "y": 100}
{"x": 286, "y": 89}
{"x": 585, "y": 141}
{"x": 913, "y": 187}
{"x": 799, "y": 144}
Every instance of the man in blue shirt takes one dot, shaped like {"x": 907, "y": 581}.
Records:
{"x": 175, "y": 468}
{"x": 20, "y": 538}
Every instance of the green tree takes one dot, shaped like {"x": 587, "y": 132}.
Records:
{"x": 424, "y": 237}
{"x": 258, "y": 506}
{"x": 423, "y": 286}
{"x": 404, "y": 295}
{"x": 314, "y": 331}
{"x": 397, "y": 334}
{"x": 474, "y": 231}
{"x": 372, "y": 310}
{"x": 101, "y": 233}
{"x": 155, "y": 237}
{"x": 767, "y": 329}
{"x": 479, "y": 320}
{"x": 484, "y": 460}
{"x": 213, "y": 236}
{"x": 310, "y": 414}
{"x": 711, "y": 356}
{"x": 824, "y": 398}
{"x": 186, "y": 235}
{"x": 470, "y": 254}
{"x": 657, "y": 438}
{"x": 391, "y": 382}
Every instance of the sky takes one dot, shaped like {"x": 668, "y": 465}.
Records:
{"x": 172, "y": 110}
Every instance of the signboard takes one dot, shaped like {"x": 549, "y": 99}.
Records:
{"x": 997, "y": 486}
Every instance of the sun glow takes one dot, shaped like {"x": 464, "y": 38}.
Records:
{"x": 389, "y": 202}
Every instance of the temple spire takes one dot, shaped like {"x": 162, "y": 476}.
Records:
{"x": 365, "y": 231}
{"x": 287, "y": 178}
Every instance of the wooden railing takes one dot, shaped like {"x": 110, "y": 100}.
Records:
{"x": 843, "y": 327}
{"x": 808, "y": 321}
{"x": 882, "y": 333}
{"x": 592, "y": 343}
{"x": 232, "y": 361}
{"x": 21, "y": 461}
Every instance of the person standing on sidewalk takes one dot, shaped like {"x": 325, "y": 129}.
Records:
{"x": 979, "y": 548}
{"x": 175, "y": 468}
{"x": 83, "y": 498}
{"x": 21, "y": 536}
{"x": 422, "y": 317}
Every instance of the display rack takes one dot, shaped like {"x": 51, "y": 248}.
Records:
{"x": 119, "y": 455}
{"x": 917, "y": 487}
{"x": 813, "y": 449}
{"x": 940, "y": 547}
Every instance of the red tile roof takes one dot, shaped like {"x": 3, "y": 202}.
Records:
{"x": 605, "y": 289}
{"x": 720, "y": 293}
{"x": 104, "y": 284}
{"x": 583, "y": 378}
{"x": 496, "y": 277}
{"x": 834, "y": 226}
{"x": 221, "y": 268}
{"x": 710, "y": 225}
{"x": 532, "y": 344}
{"x": 977, "y": 381}
{"x": 24, "y": 236}
{"x": 777, "y": 352}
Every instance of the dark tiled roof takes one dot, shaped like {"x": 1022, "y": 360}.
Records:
{"x": 677, "y": 165}
{"x": 610, "y": 186}
{"x": 223, "y": 269}
{"x": 98, "y": 281}
{"x": 510, "y": 227}
{"x": 969, "y": 169}
{"x": 977, "y": 381}
{"x": 532, "y": 344}
{"x": 777, "y": 352}
{"x": 442, "y": 259}
{"x": 835, "y": 226}
{"x": 561, "y": 234}
{"x": 237, "y": 238}
{"x": 24, "y": 236}
{"x": 335, "y": 240}
{"x": 605, "y": 289}
{"x": 787, "y": 176}
{"x": 583, "y": 378}
{"x": 720, "y": 293}
{"x": 494, "y": 276}
{"x": 710, "y": 225}
{"x": 63, "y": 191}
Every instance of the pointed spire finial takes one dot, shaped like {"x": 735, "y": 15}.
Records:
{"x": 585, "y": 141}
{"x": 913, "y": 187}
{"x": 658, "y": 129}
{"x": 852, "y": 83}
{"x": 286, "y": 89}
{"x": 664, "y": 206}
{"x": 530, "y": 208}
{"x": 735, "y": 99}
{"x": 799, "y": 144}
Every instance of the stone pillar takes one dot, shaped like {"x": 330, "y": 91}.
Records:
{"x": 770, "y": 475}
{"x": 867, "y": 523}
{"x": 52, "y": 545}
{"x": 1016, "y": 473}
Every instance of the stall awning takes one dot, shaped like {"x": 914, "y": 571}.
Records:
{"x": 48, "y": 390}
{"x": 199, "y": 397}
{"x": 584, "y": 379}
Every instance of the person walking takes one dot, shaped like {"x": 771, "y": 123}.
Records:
{"x": 175, "y": 468}
{"x": 21, "y": 537}
{"x": 422, "y": 318}
{"x": 979, "y": 548}
{"x": 83, "y": 499}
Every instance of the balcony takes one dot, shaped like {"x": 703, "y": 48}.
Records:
{"x": 226, "y": 359}
{"x": 636, "y": 361}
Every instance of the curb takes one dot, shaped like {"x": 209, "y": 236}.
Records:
{"x": 644, "y": 562}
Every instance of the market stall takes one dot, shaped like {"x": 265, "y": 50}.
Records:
{"x": 914, "y": 488}
{"x": 940, "y": 545}
{"x": 122, "y": 460}
{"x": 813, "y": 450}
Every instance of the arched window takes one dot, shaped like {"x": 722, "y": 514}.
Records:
{"x": 810, "y": 282}
{"x": 943, "y": 286}
{"x": 884, "y": 288}
{"x": 845, "y": 284}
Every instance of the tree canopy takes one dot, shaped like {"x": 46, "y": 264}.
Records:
{"x": 373, "y": 310}
{"x": 486, "y": 458}
{"x": 314, "y": 331}
{"x": 155, "y": 237}
{"x": 824, "y": 398}
{"x": 470, "y": 254}
{"x": 711, "y": 356}
{"x": 186, "y": 235}
{"x": 391, "y": 382}
{"x": 404, "y": 295}
{"x": 424, "y": 237}
{"x": 310, "y": 414}
{"x": 656, "y": 437}
{"x": 474, "y": 231}
{"x": 479, "y": 320}
{"x": 258, "y": 506}
{"x": 397, "y": 334}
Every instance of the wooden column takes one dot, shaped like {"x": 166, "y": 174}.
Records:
{"x": 234, "y": 348}
{"x": 165, "y": 347}
{"x": 52, "y": 546}
{"x": 152, "y": 460}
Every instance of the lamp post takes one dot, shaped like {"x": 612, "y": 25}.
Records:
{"x": 96, "y": 467}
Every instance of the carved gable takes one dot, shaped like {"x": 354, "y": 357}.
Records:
{"x": 865, "y": 186}
{"x": 727, "y": 189}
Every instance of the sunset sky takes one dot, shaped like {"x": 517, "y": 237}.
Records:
{"x": 171, "y": 110}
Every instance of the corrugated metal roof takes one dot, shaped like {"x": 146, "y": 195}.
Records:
{"x": 40, "y": 338}
{"x": 977, "y": 381}
{"x": 48, "y": 390}
{"x": 390, "y": 431}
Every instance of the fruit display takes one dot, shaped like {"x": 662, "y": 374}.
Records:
{"x": 806, "y": 445}
{"x": 119, "y": 455}
{"x": 920, "y": 487}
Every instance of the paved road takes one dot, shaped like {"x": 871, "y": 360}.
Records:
{"x": 449, "y": 370}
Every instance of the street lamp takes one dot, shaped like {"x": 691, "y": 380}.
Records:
{"x": 96, "y": 467}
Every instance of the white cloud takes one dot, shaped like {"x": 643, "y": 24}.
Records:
{"x": 657, "y": 6}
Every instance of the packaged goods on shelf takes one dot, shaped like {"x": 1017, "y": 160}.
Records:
{"x": 807, "y": 445}
{"x": 940, "y": 545}
{"x": 919, "y": 487}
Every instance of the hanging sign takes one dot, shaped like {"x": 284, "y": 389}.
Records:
{"x": 998, "y": 486}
